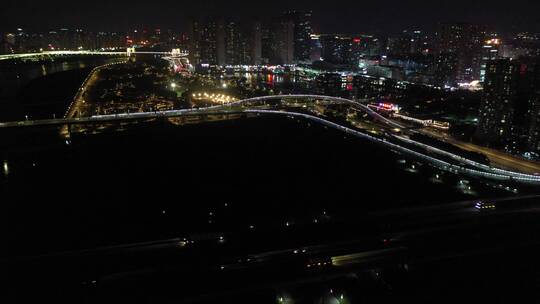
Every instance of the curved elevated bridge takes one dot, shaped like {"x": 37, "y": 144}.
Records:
{"x": 296, "y": 106}
{"x": 127, "y": 53}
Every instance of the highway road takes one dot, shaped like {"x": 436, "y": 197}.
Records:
{"x": 490, "y": 173}
{"x": 498, "y": 158}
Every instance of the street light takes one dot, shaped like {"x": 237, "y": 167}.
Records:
{"x": 6, "y": 168}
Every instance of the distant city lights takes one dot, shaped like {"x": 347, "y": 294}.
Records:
{"x": 215, "y": 98}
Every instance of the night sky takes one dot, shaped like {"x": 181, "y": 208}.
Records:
{"x": 348, "y": 16}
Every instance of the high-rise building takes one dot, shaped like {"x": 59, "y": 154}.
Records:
{"x": 534, "y": 111}
{"x": 357, "y": 51}
{"x": 4, "y": 46}
{"x": 10, "y": 38}
{"x": 285, "y": 42}
{"x": 498, "y": 101}
{"x": 8, "y": 43}
{"x": 370, "y": 45}
{"x": 268, "y": 43}
{"x": 208, "y": 41}
{"x": 398, "y": 46}
{"x": 21, "y": 41}
{"x": 217, "y": 41}
{"x": 277, "y": 41}
{"x": 459, "y": 52}
{"x": 105, "y": 40}
{"x": 336, "y": 49}
{"x": 233, "y": 43}
{"x": 239, "y": 43}
{"x": 409, "y": 42}
{"x": 490, "y": 51}
{"x": 316, "y": 48}
{"x": 302, "y": 34}
{"x": 345, "y": 49}
{"x": 527, "y": 44}
{"x": 66, "y": 39}
{"x": 509, "y": 109}
{"x": 256, "y": 44}
{"x": 421, "y": 42}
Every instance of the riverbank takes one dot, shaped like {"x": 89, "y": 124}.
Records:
{"x": 42, "y": 90}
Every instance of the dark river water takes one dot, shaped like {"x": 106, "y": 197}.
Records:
{"x": 44, "y": 89}
{"x": 157, "y": 181}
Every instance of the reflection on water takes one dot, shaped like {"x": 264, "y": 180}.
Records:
{"x": 268, "y": 79}
{"x": 15, "y": 76}
{"x": 282, "y": 82}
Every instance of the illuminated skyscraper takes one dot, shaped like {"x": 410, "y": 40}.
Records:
{"x": 256, "y": 44}
{"x": 459, "y": 52}
{"x": 409, "y": 42}
{"x": 510, "y": 109}
{"x": 233, "y": 43}
{"x": 285, "y": 42}
{"x": 336, "y": 49}
{"x": 302, "y": 34}
{"x": 498, "y": 101}
{"x": 208, "y": 41}
{"x": 490, "y": 51}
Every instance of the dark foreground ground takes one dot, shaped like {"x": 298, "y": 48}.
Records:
{"x": 256, "y": 210}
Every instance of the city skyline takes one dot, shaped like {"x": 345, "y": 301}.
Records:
{"x": 279, "y": 152}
